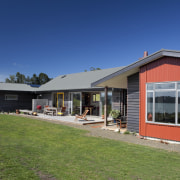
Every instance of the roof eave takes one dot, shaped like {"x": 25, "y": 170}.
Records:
{"x": 134, "y": 67}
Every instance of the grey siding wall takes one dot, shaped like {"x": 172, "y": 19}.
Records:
{"x": 133, "y": 103}
{"x": 47, "y": 96}
{"x": 24, "y": 101}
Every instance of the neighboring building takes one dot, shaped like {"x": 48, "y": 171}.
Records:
{"x": 16, "y": 96}
{"x": 153, "y": 94}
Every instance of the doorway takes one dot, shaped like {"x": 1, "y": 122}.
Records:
{"x": 91, "y": 101}
{"x": 76, "y": 103}
{"x": 60, "y": 99}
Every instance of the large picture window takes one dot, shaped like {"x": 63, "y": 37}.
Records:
{"x": 165, "y": 107}
{"x": 163, "y": 103}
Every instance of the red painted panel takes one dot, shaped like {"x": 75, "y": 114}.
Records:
{"x": 161, "y": 70}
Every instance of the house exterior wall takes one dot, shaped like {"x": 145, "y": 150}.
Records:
{"x": 24, "y": 101}
{"x": 47, "y": 96}
{"x": 133, "y": 103}
{"x": 161, "y": 70}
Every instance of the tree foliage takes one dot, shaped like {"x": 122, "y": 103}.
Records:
{"x": 92, "y": 69}
{"x": 42, "y": 78}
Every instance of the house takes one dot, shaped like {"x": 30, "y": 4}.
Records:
{"x": 72, "y": 91}
{"x": 146, "y": 91}
{"x": 16, "y": 96}
{"x": 153, "y": 94}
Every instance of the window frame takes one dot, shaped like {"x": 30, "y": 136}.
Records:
{"x": 7, "y": 97}
{"x": 96, "y": 97}
{"x": 153, "y": 90}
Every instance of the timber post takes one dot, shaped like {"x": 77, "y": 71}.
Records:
{"x": 105, "y": 106}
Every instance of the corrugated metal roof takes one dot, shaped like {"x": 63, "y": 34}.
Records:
{"x": 74, "y": 81}
{"x": 16, "y": 87}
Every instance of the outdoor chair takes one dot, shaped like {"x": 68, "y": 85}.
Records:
{"x": 122, "y": 122}
{"x": 62, "y": 111}
{"x": 83, "y": 116}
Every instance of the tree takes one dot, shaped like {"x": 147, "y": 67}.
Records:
{"x": 28, "y": 80}
{"x": 7, "y": 80}
{"x": 98, "y": 68}
{"x": 92, "y": 69}
{"x": 11, "y": 79}
{"x": 35, "y": 79}
{"x": 43, "y": 78}
{"x": 20, "y": 78}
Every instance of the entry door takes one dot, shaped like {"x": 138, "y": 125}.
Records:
{"x": 76, "y": 103}
{"x": 60, "y": 100}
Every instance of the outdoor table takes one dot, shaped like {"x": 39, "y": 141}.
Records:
{"x": 50, "y": 110}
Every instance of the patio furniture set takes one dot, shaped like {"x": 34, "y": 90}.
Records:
{"x": 54, "y": 111}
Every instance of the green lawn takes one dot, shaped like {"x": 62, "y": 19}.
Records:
{"x": 32, "y": 149}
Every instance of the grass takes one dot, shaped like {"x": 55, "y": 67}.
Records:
{"x": 32, "y": 149}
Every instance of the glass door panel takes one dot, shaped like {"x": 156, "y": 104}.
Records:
{"x": 109, "y": 102}
{"x": 76, "y": 103}
{"x": 60, "y": 100}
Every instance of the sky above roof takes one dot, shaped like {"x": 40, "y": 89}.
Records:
{"x": 68, "y": 36}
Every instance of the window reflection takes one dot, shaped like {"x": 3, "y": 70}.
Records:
{"x": 165, "y": 86}
{"x": 109, "y": 102}
{"x": 150, "y": 106}
{"x": 165, "y": 107}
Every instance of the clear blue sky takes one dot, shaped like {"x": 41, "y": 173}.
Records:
{"x": 68, "y": 36}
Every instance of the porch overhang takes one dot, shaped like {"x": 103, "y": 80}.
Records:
{"x": 119, "y": 78}
{"x": 116, "y": 81}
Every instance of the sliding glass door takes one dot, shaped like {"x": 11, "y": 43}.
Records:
{"x": 76, "y": 105}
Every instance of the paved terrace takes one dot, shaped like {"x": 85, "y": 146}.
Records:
{"x": 71, "y": 119}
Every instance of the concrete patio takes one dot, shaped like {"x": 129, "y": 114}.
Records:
{"x": 91, "y": 120}
{"x": 71, "y": 119}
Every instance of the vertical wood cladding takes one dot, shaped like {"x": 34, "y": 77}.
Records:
{"x": 165, "y": 69}
{"x": 133, "y": 103}
{"x": 24, "y": 101}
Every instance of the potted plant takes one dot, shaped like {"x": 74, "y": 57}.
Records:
{"x": 102, "y": 114}
{"x": 115, "y": 114}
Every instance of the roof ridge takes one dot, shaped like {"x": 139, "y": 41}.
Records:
{"x": 88, "y": 71}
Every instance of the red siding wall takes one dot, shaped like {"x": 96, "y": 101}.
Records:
{"x": 161, "y": 70}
